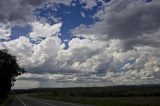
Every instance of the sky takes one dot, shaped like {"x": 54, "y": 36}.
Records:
{"x": 81, "y": 43}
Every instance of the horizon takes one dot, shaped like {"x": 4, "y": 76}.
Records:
{"x": 141, "y": 85}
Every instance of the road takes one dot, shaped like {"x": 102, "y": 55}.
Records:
{"x": 30, "y": 101}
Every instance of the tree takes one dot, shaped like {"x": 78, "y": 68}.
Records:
{"x": 9, "y": 69}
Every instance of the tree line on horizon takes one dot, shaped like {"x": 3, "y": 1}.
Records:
{"x": 112, "y": 91}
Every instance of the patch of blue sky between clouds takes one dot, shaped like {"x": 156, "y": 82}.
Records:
{"x": 18, "y": 31}
{"x": 70, "y": 15}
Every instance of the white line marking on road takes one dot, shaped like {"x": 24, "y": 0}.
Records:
{"x": 61, "y": 102}
{"x": 21, "y": 101}
{"x": 42, "y": 102}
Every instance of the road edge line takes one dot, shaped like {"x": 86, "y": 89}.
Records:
{"x": 21, "y": 101}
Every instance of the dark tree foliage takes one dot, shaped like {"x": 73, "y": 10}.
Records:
{"x": 9, "y": 69}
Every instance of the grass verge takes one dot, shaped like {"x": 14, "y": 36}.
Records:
{"x": 9, "y": 99}
{"x": 104, "y": 101}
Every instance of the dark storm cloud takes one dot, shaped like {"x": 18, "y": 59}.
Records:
{"x": 131, "y": 19}
{"x": 130, "y": 43}
{"x": 130, "y": 22}
{"x": 126, "y": 20}
{"x": 18, "y": 10}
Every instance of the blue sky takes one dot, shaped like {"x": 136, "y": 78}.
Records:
{"x": 68, "y": 43}
{"x": 70, "y": 16}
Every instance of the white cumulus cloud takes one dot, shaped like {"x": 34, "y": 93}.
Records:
{"x": 44, "y": 30}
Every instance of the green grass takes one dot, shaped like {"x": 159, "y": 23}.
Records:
{"x": 104, "y": 101}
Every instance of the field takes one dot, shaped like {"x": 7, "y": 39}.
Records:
{"x": 105, "y": 96}
{"x": 109, "y": 101}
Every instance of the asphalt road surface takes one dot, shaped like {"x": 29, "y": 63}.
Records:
{"x": 30, "y": 101}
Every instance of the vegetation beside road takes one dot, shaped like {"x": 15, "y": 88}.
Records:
{"x": 106, "y": 96}
{"x": 6, "y": 101}
{"x": 106, "y": 101}
{"x": 9, "y": 69}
